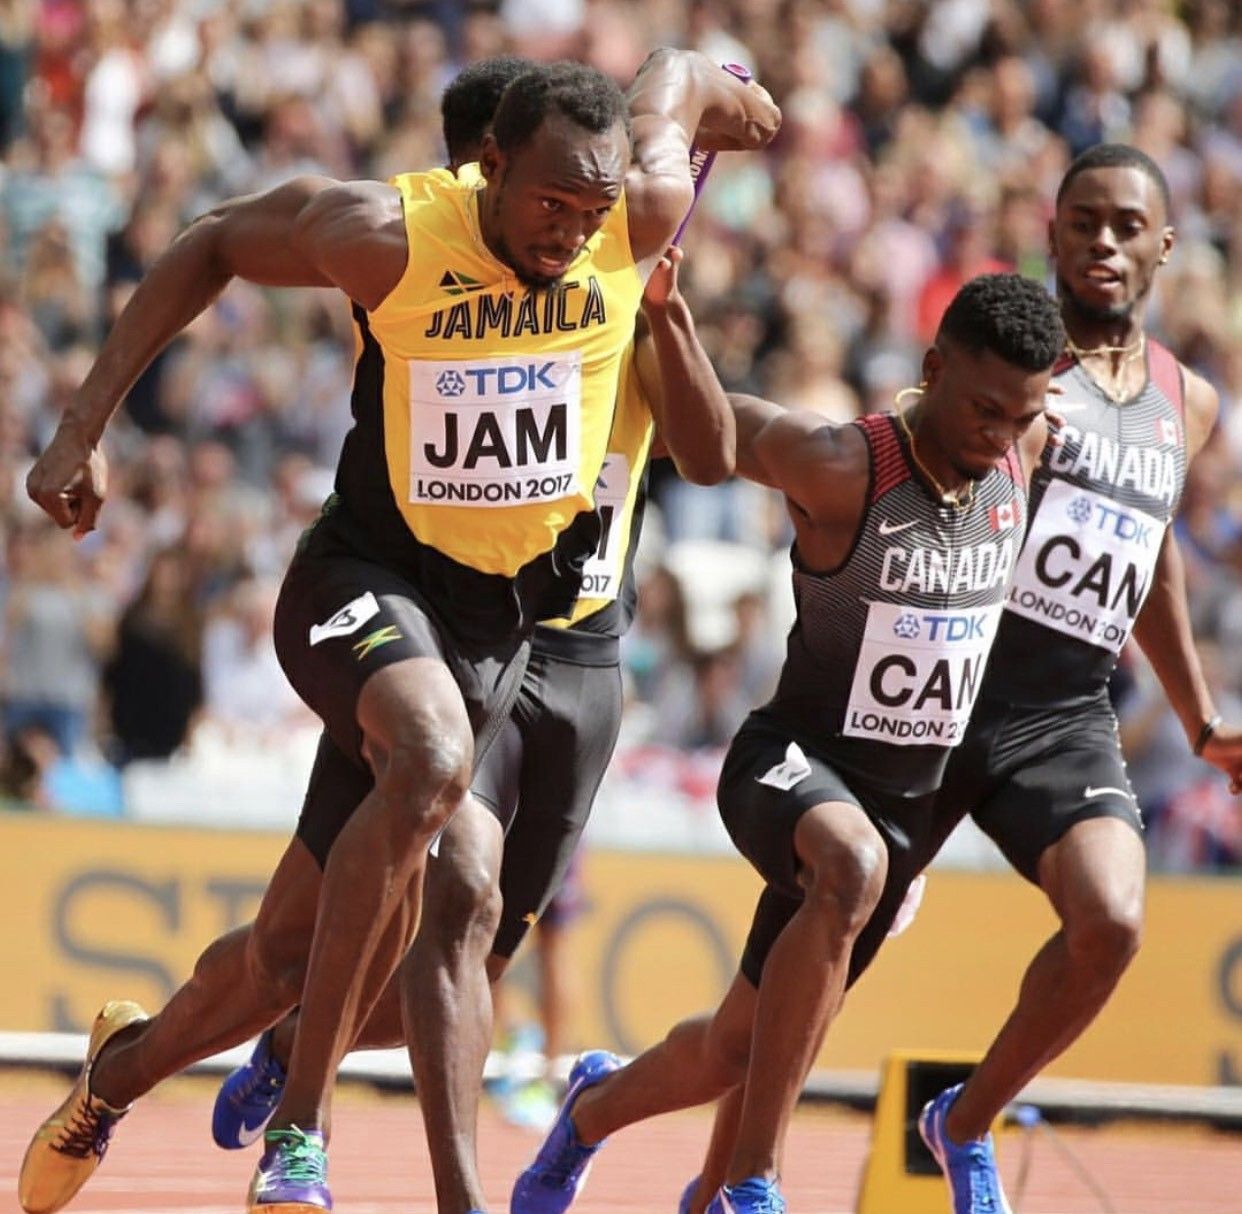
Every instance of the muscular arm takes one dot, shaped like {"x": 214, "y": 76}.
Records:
{"x": 823, "y": 470}
{"x": 677, "y": 99}
{"x": 1163, "y": 625}
{"x": 311, "y": 231}
{"x": 690, "y": 409}
{"x": 1163, "y": 630}
{"x": 752, "y": 414}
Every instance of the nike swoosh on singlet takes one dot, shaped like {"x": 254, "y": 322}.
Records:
{"x": 1090, "y": 792}
{"x": 887, "y": 528}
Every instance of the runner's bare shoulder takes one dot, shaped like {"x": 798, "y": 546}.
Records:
{"x": 355, "y": 230}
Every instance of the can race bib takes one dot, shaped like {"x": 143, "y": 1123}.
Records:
{"x": 495, "y": 431}
{"x": 601, "y": 577}
{"x": 918, "y": 673}
{"x": 1086, "y": 566}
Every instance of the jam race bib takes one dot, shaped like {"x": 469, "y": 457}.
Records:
{"x": 918, "y": 673}
{"x": 495, "y": 431}
{"x": 1086, "y": 566}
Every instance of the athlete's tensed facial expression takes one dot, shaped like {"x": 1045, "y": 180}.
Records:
{"x": 977, "y": 405}
{"x": 548, "y": 197}
{"x": 1109, "y": 234}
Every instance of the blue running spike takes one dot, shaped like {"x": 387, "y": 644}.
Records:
{"x": 560, "y": 1168}
{"x": 248, "y": 1098}
{"x": 755, "y": 1195}
{"x": 969, "y": 1167}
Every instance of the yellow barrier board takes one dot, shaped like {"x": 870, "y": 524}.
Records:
{"x": 99, "y": 910}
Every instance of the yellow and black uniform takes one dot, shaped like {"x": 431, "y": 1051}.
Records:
{"x": 550, "y": 755}
{"x": 482, "y": 412}
{"x": 542, "y": 775}
{"x": 463, "y": 509}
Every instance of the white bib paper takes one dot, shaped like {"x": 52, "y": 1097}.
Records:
{"x": 495, "y": 431}
{"x": 918, "y": 673}
{"x": 601, "y": 578}
{"x": 1086, "y": 566}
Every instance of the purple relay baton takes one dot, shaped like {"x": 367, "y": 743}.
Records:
{"x": 700, "y": 161}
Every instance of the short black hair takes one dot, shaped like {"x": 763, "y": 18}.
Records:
{"x": 467, "y": 105}
{"x": 1008, "y": 314}
{"x": 1116, "y": 156}
{"x": 582, "y": 94}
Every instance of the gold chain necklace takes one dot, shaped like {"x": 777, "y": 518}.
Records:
{"x": 1128, "y": 354}
{"x": 956, "y": 500}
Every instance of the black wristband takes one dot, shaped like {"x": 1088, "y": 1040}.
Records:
{"x": 1205, "y": 734}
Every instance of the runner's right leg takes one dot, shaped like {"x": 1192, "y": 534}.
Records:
{"x": 446, "y": 997}
{"x": 698, "y": 1060}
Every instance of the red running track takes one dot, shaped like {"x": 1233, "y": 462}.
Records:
{"x": 163, "y": 1160}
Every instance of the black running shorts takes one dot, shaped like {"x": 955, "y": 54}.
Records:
{"x": 541, "y": 777}
{"x": 1027, "y": 775}
{"x": 339, "y": 619}
{"x": 761, "y": 815}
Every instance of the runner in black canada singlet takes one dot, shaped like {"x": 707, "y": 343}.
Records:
{"x": 492, "y": 316}
{"x": 907, "y": 532}
{"x": 1041, "y": 767}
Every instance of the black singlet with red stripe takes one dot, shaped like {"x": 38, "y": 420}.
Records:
{"x": 887, "y": 651}
{"x": 1106, "y": 488}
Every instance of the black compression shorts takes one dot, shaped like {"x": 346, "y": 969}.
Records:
{"x": 761, "y": 817}
{"x": 338, "y": 620}
{"x": 544, "y": 771}
{"x": 539, "y": 776}
{"x": 1027, "y": 775}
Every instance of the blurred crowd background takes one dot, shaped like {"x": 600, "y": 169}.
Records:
{"x": 922, "y": 144}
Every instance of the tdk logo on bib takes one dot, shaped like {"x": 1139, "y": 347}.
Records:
{"x": 450, "y": 383}
{"x": 918, "y": 673}
{"x": 1079, "y": 509}
{"x": 1111, "y": 519}
{"x": 1086, "y": 566}
{"x": 505, "y": 381}
{"x": 907, "y": 626}
{"x": 939, "y": 627}
{"x": 495, "y": 431}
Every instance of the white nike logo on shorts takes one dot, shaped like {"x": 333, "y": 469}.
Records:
{"x": 887, "y": 528}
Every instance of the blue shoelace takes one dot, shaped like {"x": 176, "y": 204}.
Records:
{"x": 981, "y": 1177}
{"x": 260, "y": 1081}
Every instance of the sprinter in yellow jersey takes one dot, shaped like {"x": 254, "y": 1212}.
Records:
{"x": 402, "y": 624}
{"x": 538, "y": 782}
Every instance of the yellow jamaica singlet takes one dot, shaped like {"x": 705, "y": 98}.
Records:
{"x": 495, "y": 402}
